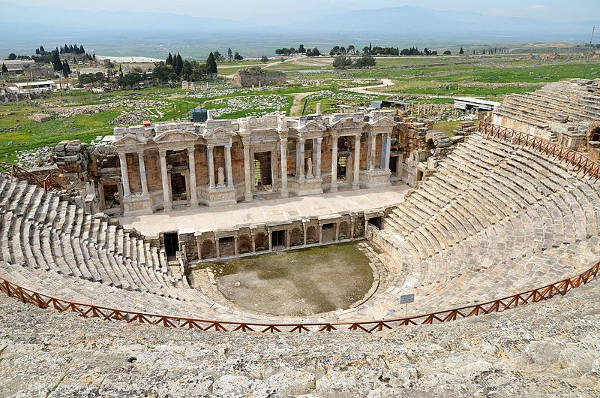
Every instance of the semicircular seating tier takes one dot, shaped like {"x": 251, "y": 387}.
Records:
{"x": 494, "y": 220}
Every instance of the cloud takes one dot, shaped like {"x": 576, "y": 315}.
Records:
{"x": 538, "y": 7}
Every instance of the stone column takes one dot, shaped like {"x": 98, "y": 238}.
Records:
{"x": 199, "y": 246}
{"x": 253, "y": 241}
{"x": 283, "y": 155}
{"x": 217, "y": 248}
{"x": 317, "y": 150}
{"x": 320, "y": 233}
{"x": 337, "y": 231}
{"x": 371, "y": 154}
{"x": 247, "y": 173}
{"x": 228, "y": 168}
{"x": 304, "y": 231}
{"x": 383, "y": 151}
{"x": 356, "y": 182}
{"x": 143, "y": 177}
{"x": 399, "y": 166}
{"x": 124, "y": 174}
{"x": 302, "y": 167}
{"x": 388, "y": 149}
{"x": 165, "y": 182}
{"x": 211, "y": 166}
{"x": 235, "y": 244}
{"x": 334, "y": 162}
{"x": 192, "y": 167}
{"x": 270, "y": 239}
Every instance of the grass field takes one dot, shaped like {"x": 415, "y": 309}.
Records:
{"x": 432, "y": 80}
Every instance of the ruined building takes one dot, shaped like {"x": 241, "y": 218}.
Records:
{"x": 143, "y": 169}
{"x": 257, "y": 77}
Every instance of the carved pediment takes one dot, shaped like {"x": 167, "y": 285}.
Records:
{"x": 219, "y": 133}
{"x": 175, "y": 136}
{"x": 384, "y": 122}
{"x": 129, "y": 139}
{"x": 311, "y": 127}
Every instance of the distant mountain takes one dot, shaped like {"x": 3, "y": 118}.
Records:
{"x": 18, "y": 20}
{"x": 23, "y": 28}
{"x": 408, "y": 20}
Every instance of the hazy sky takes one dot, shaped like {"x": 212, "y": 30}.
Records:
{"x": 569, "y": 10}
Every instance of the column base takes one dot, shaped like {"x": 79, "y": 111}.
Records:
{"x": 248, "y": 196}
{"x": 333, "y": 188}
{"x": 355, "y": 186}
{"x": 285, "y": 194}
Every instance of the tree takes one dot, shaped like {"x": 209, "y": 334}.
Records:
{"x": 237, "y": 56}
{"x": 447, "y": 52}
{"x": 461, "y": 52}
{"x": 229, "y": 54}
{"x": 351, "y": 49}
{"x": 42, "y": 50}
{"x": 365, "y": 61}
{"x": 66, "y": 69}
{"x": 12, "y": 56}
{"x": 186, "y": 72}
{"x": 313, "y": 53}
{"x": 56, "y": 64}
{"x": 341, "y": 62}
{"x": 178, "y": 64}
{"x": 120, "y": 70}
{"x": 170, "y": 59}
{"x": 301, "y": 49}
{"x": 4, "y": 68}
{"x": 211, "y": 64}
{"x": 264, "y": 59}
{"x": 218, "y": 56}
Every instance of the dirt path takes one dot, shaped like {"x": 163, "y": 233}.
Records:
{"x": 296, "y": 109}
{"x": 367, "y": 89}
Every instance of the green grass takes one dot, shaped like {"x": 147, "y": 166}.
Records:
{"x": 447, "y": 127}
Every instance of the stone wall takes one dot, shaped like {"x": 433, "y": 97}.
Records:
{"x": 257, "y": 77}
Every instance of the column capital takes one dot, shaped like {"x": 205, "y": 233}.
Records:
{"x": 229, "y": 145}
{"x": 319, "y": 140}
{"x": 191, "y": 148}
{"x": 162, "y": 152}
{"x": 210, "y": 146}
{"x": 301, "y": 140}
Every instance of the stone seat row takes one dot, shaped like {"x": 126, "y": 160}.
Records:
{"x": 46, "y": 232}
{"x": 445, "y": 239}
{"x": 76, "y": 289}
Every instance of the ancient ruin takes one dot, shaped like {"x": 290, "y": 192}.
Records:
{"x": 479, "y": 218}
{"x": 257, "y": 77}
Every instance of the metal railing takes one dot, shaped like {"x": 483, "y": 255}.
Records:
{"x": 87, "y": 310}
{"x": 21, "y": 173}
{"x": 580, "y": 161}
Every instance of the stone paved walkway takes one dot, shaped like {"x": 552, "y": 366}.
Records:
{"x": 261, "y": 211}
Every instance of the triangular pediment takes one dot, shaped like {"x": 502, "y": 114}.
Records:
{"x": 128, "y": 139}
{"x": 383, "y": 122}
{"x": 218, "y": 133}
{"x": 173, "y": 136}
{"x": 346, "y": 123}
{"x": 311, "y": 127}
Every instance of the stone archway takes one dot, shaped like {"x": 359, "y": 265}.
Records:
{"x": 344, "y": 231}
{"x": 261, "y": 241}
{"x": 296, "y": 237}
{"x": 244, "y": 244}
{"x": 208, "y": 249}
{"x": 311, "y": 235}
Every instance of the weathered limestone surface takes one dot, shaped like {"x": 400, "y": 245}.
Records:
{"x": 546, "y": 349}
